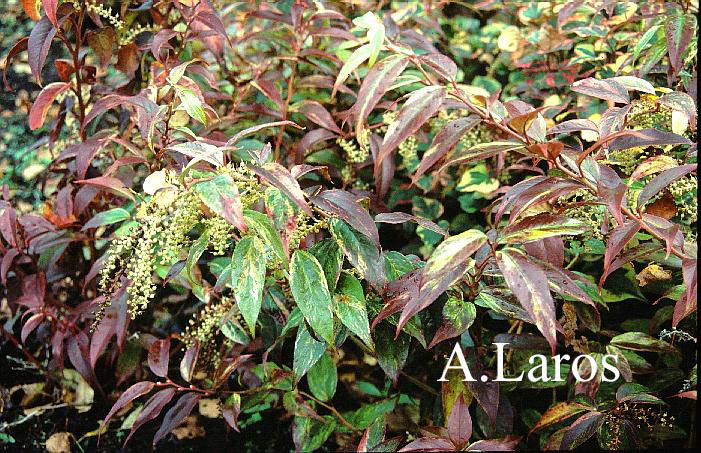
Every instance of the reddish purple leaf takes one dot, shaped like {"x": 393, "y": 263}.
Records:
{"x": 213, "y": 21}
{"x": 402, "y": 217}
{"x": 679, "y": 30}
{"x": 487, "y": 395}
{"x": 441, "y": 65}
{"x": 160, "y": 41}
{"x": 385, "y": 174}
{"x": 7, "y": 260}
{"x": 346, "y": 206}
{"x": 612, "y": 120}
{"x": 313, "y": 137}
{"x": 177, "y": 414}
{"x": 50, "y": 7}
{"x": 459, "y": 423}
{"x": 187, "y": 364}
{"x": 609, "y": 90}
{"x": 419, "y": 108}
{"x": 443, "y": 142}
{"x": 612, "y": 191}
{"x": 152, "y": 409}
{"x": 102, "y": 335}
{"x": 231, "y": 414}
{"x": 319, "y": 115}
{"x": 508, "y": 443}
{"x": 569, "y": 126}
{"x": 530, "y": 285}
{"x": 687, "y": 303}
{"x": 661, "y": 181}
{"x": 78, "y": 353}
{"x": 429, "y": 444}
{"x": 132, "y": 393}
{"x": 551, "y": 250}
{"x": 581, "y": 430}
{"x": 158, "y": 357}
{"x": 31, "y": 324}
{"x": 646, "y": 137}
{"x": 38, "y": 46}
{"x": 378, "y": 80}
{"x": 253, "y": 129}
{"x": 269, "y": 89}
{"x": 20, "y": 46}
{"x": 616, "y": 241}
{"x": 634, "y": 253}
{"x": 280, "y": 177}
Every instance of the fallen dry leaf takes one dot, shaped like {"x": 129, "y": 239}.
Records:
{"x": 59, "y": 443}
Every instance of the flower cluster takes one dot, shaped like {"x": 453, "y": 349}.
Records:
{"x": 643, "y": 418}
{"x": 354, "y": 153}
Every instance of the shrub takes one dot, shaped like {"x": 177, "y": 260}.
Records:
{"x": 302, "y": 208}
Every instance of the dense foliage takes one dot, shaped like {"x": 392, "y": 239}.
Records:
{"x": 286, "y": 214}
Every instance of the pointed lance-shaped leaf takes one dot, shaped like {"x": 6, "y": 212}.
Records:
{"x": 319, "y": 115}
{"x": 688, "y": 301}
{"x": 38, "y": 46}
{"x": 530, "y": 285}
{"x": 460, "y": 423}
{"x": 557, "y": 413}
{"x": 248, "y": 278}
{"x": 346, "y": 206}
{"x": 41, "y": 105}
{"x": 542, "y": 226}
{"x": 152, "y": 409}
{"x": 443, "y": 142}
{"x": 177, "y": 414}
{"x": 421, "y": 105}
{"x": 612, "y": 191}
{"x": 129, "y": 395}
{"x": 357, "y": 58}
{"x": 50, "y": 7}
{"x": 375, "y": 84}
{"x": 663, "y": 180}
{"x": 609, "y": 90}
{"x": 581, "y": 430}
{"x": 310, "y": 291}
{"x": 619, "y": 237}
{"x": 280, "y": 177}
{"x": 646, "y": 137}
{"x": 679, "y": 29}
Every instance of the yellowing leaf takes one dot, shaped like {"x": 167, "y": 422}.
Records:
{"x": 509, "y": 39}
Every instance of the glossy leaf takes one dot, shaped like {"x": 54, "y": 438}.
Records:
{"x": 357, "y": 58}
{"x": 350, "y": 307}
{"x": 361, "y": 252}
{"x": 639, "y": 341}
{"x": 443, "y": 142}
{"x": 41, "y": 105}
{"x": 177, "y": 414}
{"x": 277, "y": 175}
{"x": 542, "y": 226}
{"x": 248, "y": 278}
{"x": 558, "y": 413}
{"x": 261, "y": 224}
{"x": 322, "y": 378}
{"x": 609, "y": 90}
{"x": 306, "y": 353}
{"x": 39, "y": 44}
{"x": 310, "y": 291}
{"x": 346, "y": 206}
{"x": 581, "y": 430}
{"x": 419, "y": 108}
{"x": 460, "y": 423}
{"x": 158, "y": 357}
{"x": 529, "y": 284}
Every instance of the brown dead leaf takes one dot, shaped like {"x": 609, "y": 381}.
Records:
{"x": 59, "y": 443}
{"x": 664, "y": 207}
{"x": 653, "y": 273}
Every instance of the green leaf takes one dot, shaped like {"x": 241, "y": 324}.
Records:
{"x": 323, "y": 378}
{"x": 357, "y": 58}
{"x": 107, "y": 218}
{"x": 368, "y": 413}
{"x": 234, "y": 333}
{"x": 248, "y": 278}
{"x": 542, "y": 226}
{"x": 391, "y": 353}
{"x": 196, "y": 252}
{"x": 310, "y": 434}
{"x": 558, "y": 413}
{"x": 192, "y": 104}
{"x": 330, "y": 257}
{"x": 351, "y": 309}
{"x": 212, "y": 191}
{"x": 262, "y": 225}
{"x": 311, "y": 292}
{"x": 397, "y": 265}
{"x": 360, "y": 251}
{"x": 307, "y": 352}
{"x": 639, "y": 341}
